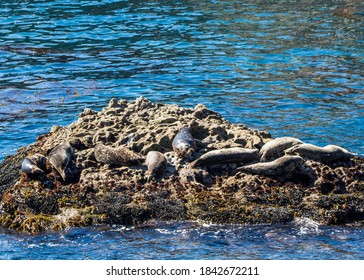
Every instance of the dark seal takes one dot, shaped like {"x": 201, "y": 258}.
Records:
{"x": 183, "y": 143}
{"x": 60, "y": 157}
{"x": 34, "y": 164}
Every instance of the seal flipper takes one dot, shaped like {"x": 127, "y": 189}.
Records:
{"x": 30, "y": 168}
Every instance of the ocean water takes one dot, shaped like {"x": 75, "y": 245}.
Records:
{"x": 302, "y": 240}
{"x": 288, "y": 67}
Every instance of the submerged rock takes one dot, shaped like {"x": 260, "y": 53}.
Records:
{"x": 124, "y": 170}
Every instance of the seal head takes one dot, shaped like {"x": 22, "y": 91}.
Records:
{"x": 60, "y": 157}
{"x": 34, "y": 164}
{"x": 183, "y": 143}
{"x": 30, "y": 168}
{"x": 156, "y": 163}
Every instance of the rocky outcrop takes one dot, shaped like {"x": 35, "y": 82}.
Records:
{"x": 115, "y": 192}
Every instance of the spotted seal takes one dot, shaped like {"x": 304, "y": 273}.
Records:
{"x": 280, "y": 166}
{"x": 228, "y": 155}
{"x": 183, "y": 143}
{"x": 275, "y": 148}
{"x": 34, "y": 164}
{"x": 156, "y": 163}
{"x": 327, "y": 154}
{"x": 116, "y": 156}
{"x": 60, "y": 157}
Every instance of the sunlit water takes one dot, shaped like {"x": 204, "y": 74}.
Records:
{"x": 287, "y": 67}
{"x": 190, "y": 241}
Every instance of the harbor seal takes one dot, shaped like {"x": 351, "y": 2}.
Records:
{"x": 280, "y": 166}
{"x": 183, "y": 143}
{"x": 191, "y": 175}
{"x": 327, "y": 154}
{"x": 275, "y": 148}
{"x": 34, "y": 164}
{"x": 116, "y": 156}
{"x": 228, "y": 155}
{"x": 60, "y": 157}
{"x": 156, "y": 163}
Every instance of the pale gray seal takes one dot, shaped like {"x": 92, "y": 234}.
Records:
{"x": 280, "y": 166}
{"x": 228, "y": 155}
{"x": 60, "y": 157}
{"x": 327, "y": 154}
{"x": 116, "y": 156}
{"x": 275, "y": 148}
{"x": 34, "y": 164}
{"x": 156, "y": 163}
{"x": 183, "y": 143}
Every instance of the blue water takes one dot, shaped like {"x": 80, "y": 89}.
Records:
{"x": 189, "y": 241}
{"x": 287, "y": 67}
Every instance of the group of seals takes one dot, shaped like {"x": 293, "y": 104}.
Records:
{"x": 277, "y": 157}
{"x": 273, "y": 150}
{"x": 59, "y": 158}
{"x": 287, "y": 154}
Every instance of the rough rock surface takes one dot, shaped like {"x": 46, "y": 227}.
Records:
{"x": 98, "y": 193}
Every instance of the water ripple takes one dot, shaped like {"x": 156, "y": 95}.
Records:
{"x": 301, "y": 240}
{"x": 288, "y": 67}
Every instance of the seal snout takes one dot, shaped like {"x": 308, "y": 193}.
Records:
{"x": 185, "y": 149}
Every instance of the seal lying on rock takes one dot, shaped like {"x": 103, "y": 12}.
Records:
{"x": 275, "y": 148}
{"x": 34, "y": 164}
{"x": 116, "y": 156}
{"x": 280, "y": 166}
{"x": 60, "y": 157}
{"x": 188, "y": 175}
{"x": 327, "y": 154}
{"x": 156, "y": 163}
{"x": 183, "y": 143}
{"x": 229, "y": 155}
